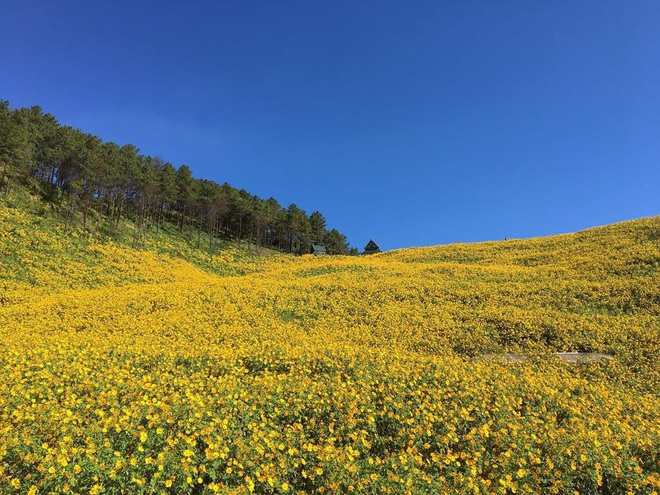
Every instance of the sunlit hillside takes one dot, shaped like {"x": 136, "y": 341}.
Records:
{"x": 161, "y": 368}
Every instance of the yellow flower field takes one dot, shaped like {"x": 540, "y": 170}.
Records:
{"x": 129, "y": 371}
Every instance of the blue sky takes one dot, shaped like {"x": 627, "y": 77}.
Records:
{"x": 415, "y": 123}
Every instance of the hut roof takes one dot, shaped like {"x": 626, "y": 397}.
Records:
{"x": 371, "y": 247}
{"x": 318, "y": 249}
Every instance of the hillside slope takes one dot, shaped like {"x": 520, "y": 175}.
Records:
{"x": 162, "y": 368}
{"x": 38, "y": 253}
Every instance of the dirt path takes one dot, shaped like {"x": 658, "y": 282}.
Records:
{"x": 569, "y": 357}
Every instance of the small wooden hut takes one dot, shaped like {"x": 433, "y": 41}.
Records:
{"x": 318, "y": 250}
{"x": 371, "y": 248}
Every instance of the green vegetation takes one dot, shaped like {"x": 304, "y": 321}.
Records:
{"x": 96, "y": 184}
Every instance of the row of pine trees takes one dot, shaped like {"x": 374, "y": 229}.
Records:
{"x": 92, "y": 180}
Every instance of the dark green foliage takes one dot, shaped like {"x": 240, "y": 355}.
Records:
{"x": 90, "y": 180}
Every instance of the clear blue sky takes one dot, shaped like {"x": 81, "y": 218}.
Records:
{"x": 415, "y": 123}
